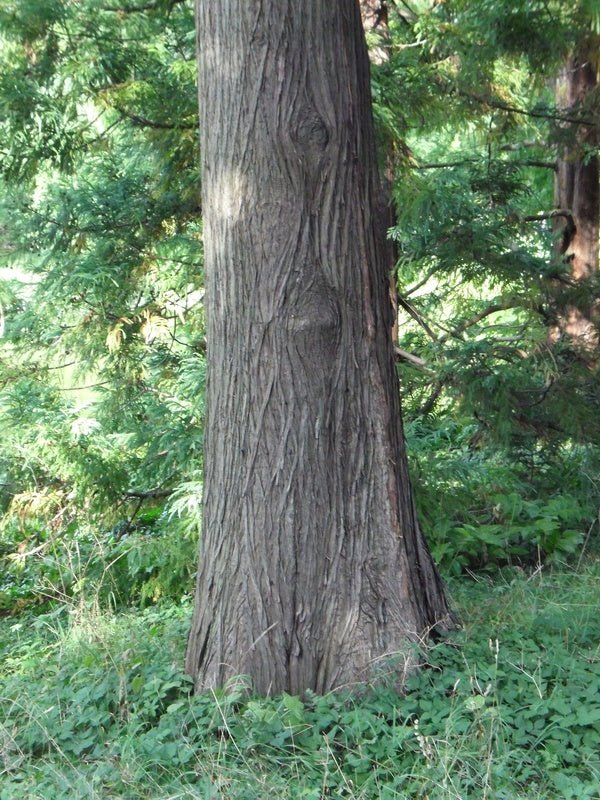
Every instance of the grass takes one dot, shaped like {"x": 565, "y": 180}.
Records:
{"x": 94, "y": 705}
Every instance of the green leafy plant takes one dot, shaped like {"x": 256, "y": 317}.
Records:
{"x": 507, "y": 707}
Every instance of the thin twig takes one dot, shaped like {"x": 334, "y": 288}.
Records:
{"x": 144, "y": 122}
{"x": 492, "y": 103}
{"x": 493, "y": 309}
{"x": 416, "y": 316}
{"x": 585, "y": 541}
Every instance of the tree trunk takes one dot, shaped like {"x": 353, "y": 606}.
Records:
{"x": 578, "y": 190}
{"x": 313, "y": 572}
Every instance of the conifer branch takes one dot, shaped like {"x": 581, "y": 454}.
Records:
{"x": 521, "y": 163}
{"x": 151, "y": 494}
{"x": 492, "y": 309}
{"x": 144, "y": 122}
{"x": 410, "y": 358}
{"x": 124, "y": 10}
{"x": 559, "y": 212}
{"x": 417, "y": 317}
{"x": 546, "y": 114}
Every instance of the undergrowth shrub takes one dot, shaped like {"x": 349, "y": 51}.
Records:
{"x": 484, "y": 508}
{"x": 130, "y": 564}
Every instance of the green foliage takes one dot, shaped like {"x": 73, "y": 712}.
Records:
{"x": 137, "y": 562}
{"x": 507, "y": 708}
{"x": 102, "y": 372}
{"x": 501, "y": 419}
{"x": 482, "y": 507}
{"x": 102, "y": 353}
{"x": 474, "y": 151}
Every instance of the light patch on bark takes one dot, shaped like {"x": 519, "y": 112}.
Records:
{"x": 228, "y": 195}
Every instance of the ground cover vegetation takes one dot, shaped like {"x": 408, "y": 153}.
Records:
{"x": 507, "y": 708}
{"x": 102, "y": 367}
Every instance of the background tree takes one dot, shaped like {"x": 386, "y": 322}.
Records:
{"x": 578, "y": 189}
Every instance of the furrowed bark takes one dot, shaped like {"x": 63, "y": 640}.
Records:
{"x": 313, "y": 572}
